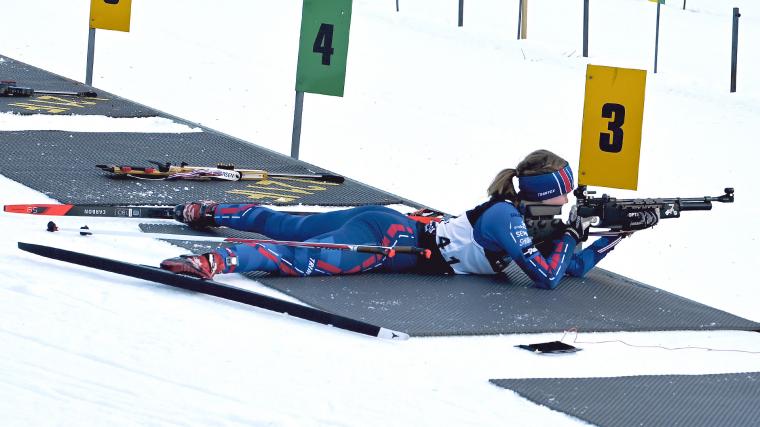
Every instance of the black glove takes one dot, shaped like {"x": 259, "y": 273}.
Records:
{"x": 196, "y": 214}
{"x": 640, "y": 220}
{"x": 577, "y": 227}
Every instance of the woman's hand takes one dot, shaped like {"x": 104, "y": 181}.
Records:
{"x": 577, "y": 227}
{"x": 196, "y": 214}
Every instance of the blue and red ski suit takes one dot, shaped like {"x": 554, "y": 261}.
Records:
{"x": 498, "y": 234}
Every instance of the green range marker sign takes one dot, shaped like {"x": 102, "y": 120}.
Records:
{"x": 323, "y": 50}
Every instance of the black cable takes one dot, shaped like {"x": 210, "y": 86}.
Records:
{"x": 575, "y": 340}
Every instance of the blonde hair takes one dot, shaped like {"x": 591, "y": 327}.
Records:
{"x": 535, "y": 163}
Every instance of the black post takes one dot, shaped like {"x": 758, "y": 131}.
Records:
{"x": 657, "y": 37}
{"x": 585, "y": 28}
{"x": 684, "y": 4}
{"x": 519, "y": 18}
{"x": 397, "y": 5}
{"x": 461, "y": 12}
{"x": 90, "y": 56}
{"x": 297, "y": 119}
{"x": 734, "y": 48}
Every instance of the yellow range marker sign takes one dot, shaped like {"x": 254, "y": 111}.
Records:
{"x": 110, "y": 14}
{"x": 283, "y": 192}
{"x": 613, "y": 114}
{"x": 55, "y": 104}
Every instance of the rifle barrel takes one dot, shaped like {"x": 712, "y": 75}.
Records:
{"x": 696, "y": 206}
{"x": 725, "y": 198}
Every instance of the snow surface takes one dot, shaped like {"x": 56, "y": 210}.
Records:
{"x": 431, "y": 112}
{"x": 12, "y": 121}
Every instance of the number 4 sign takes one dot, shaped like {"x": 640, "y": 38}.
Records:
{"x": 323, "y": 50}
{"x": 612, "y": 120}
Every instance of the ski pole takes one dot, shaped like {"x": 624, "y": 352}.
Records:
{"x": 389, "y": 251}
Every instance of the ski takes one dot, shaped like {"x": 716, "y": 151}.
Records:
{"x": 424, "y": 215}
{"x": 223, "y": 172}
{"x": 103, "y": 210}
{"x": 96, "y": 210}
{"x": 210, "y": 287}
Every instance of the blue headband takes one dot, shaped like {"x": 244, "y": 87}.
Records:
{"x": 536, "y": 188}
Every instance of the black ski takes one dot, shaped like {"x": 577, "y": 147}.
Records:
{"x": 164, "y": 212}
{"x": 101, "y": 210}
{"x": 210, "y": 287}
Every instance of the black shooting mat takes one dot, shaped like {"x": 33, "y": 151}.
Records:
{"x": 649, "y": 400}
{"x": 429, "y": 305}
{"x": 62, "y": 165}
{"x": 105, "y": 104}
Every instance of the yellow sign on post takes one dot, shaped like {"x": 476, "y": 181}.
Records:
{"x": 110, "y": 14}
{"x": 613, "y": 114}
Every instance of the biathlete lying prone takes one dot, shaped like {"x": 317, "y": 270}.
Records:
{"x": 484, "y": 240}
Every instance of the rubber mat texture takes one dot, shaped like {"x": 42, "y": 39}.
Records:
{"x": 438, "y": 305}
{"x": 62, "y": 165}
{"x": 651, "y": 400}
{"x": 25, "y": 75}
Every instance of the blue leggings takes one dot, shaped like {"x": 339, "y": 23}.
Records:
{"x": 366, "y": 225}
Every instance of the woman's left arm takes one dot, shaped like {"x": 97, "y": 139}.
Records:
{"x": 502, "y": 227}
{"x": 511, "y": 235}
{"x": 586, "y": 259}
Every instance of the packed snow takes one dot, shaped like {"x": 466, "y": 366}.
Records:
{"x": 12, "y": 121}
{"x": 431, "y": 112}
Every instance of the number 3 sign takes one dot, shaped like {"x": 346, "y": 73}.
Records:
{"x": 110, "y": 14}
{"x": 323, "y": 50}
{"x": 612, "y": 119}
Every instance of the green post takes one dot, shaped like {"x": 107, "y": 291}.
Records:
{"x": 322, "y": 55}
{"x": 323, "y": 49}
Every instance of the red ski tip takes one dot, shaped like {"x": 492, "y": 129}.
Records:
{"x": 48, "y": 209}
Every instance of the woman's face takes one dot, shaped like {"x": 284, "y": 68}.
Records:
{"x": 556, "y": 201}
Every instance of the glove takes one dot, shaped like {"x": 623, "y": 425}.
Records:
{"x": 196, "y": 214}
{"x": 577, "y": 227}
{"x": 204, "y": 266}
{"x": 642, "y": 219}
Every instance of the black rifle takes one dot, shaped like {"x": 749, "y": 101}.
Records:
{"x": 615, "y": 214}
{"x": 9, "y": 88}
